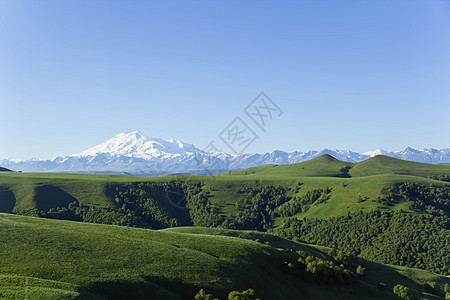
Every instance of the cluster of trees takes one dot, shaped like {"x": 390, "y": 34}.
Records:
{"x": 201, "y": 211}
{"x": 147, "y": 204}
{"x": 400, "y": 238}
{"x": 440, "y": 177}
{"x": 325, "y": 271}
{"x": 402, "y": 291}
{"x": 263, "y": 203}
{"x": 145, "y": 200}
{"x": 302, "y": 203}
{"x": 343, "y": 172}
{"x": 86, "y": 213}
{"x": 257, "y": 211}
{"x": 135, "y": 205}
{"x": 434, "y": 200}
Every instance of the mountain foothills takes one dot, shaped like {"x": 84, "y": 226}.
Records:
{"x": 319, "y": 229}
{"x": 136, "y": 154}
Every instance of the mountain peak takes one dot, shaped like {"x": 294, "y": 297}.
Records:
{"x": 325, "y": 158}
{"x": 131, "y": 135}
{"x": 407, "y": 150}
{"x": 136, "y": 144}
{"x": 376, "y": 152}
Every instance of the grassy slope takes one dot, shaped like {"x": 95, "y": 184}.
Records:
{"x": 376, "y": 272}
{"x": 42, "y": 258}
{"x": 369, "y": 179}
{"x": 323, "y": 166}
{"x": 389, "y": 165}
{"x": 28, "y": 190}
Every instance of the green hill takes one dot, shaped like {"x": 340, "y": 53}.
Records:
{"x": 369, "y": 179}
{"x": 315, "y": 196}
{"x": 4, "y": 170}
{"x": 327, "y": 166}
{"x": 53, "y": 259}
{"x": 322, "y": 166}
{"x": 388, "y": 165}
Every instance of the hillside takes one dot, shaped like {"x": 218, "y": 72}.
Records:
{"x": 389, "y": 165}
{"x": 328, "y": 166}
{"x": 290, "y": 200}
{"x": 322, "y": 166}
{"x": 52, "y": 259}
{"x": 353, "y": 187}
{"x": 4, "y": 170}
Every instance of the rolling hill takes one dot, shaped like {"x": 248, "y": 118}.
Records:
{"x": 53, "y": 259}
{"x": 289, "y": 200}
{"x": 348, "y": 182}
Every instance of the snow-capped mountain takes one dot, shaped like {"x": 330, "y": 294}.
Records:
{"x": 376, "y": 152}
{"x": 135, "y": 144}
{"x": 134, "y": 152}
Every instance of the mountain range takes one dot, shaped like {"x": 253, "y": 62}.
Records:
{"x": 136, "y": 154}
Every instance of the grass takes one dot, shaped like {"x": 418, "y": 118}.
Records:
{"x": 93, "y": 256}
{"x": 54, "y": 259}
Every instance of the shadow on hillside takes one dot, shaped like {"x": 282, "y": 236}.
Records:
{"x": 49, "y": 196}
{"x": 149, "y": 288}
{"x": 391, "y": 276}
{"x": 7, "y": 201}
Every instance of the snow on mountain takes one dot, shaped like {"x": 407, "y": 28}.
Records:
{"x": 377, "y": 152}
{"x": 134, "y": 152}
{"x": 135, "y": 144}
{"x": 431, "y": 156}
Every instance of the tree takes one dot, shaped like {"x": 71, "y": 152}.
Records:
{"x": 202, "y": 295}
{"x": 244, "y": 295}
{"x": 361, "y": 271}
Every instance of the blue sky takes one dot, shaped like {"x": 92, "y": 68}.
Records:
{"x": 356, "y": 75}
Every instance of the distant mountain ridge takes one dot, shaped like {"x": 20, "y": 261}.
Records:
{"x": 134, "y": 152}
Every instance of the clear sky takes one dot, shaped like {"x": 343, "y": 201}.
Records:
{"x": 356, "y": 75}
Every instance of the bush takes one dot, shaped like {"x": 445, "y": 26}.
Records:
{"x": 202, "y": 295}
{"x": 361, "y": 271}
{"x": 402, "y": 291}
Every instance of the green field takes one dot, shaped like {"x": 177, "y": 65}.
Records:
{"x": 43, "y": 259}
